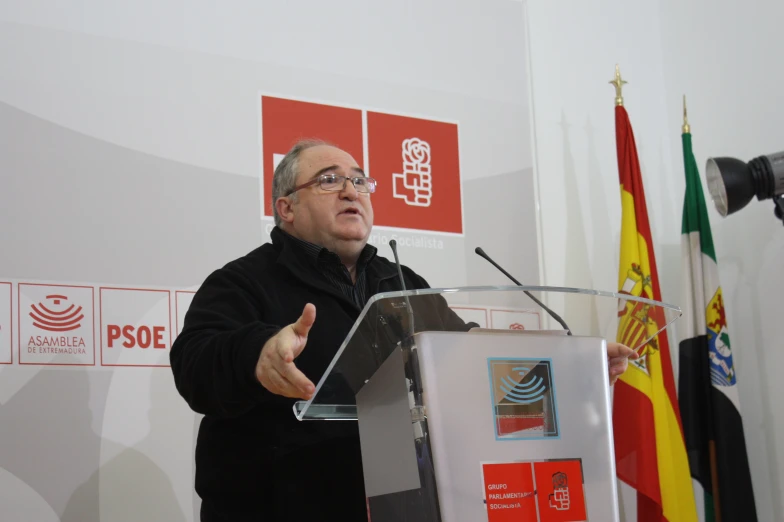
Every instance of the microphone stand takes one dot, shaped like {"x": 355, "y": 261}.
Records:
{"x": 552, "y": 314}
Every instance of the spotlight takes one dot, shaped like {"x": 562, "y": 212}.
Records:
{"x": 733, "y": 183}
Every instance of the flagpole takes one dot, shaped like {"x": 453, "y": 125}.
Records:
{"x": 714, "y": 465}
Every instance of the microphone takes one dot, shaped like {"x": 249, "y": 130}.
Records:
{"x": 554, "y": 315}
{"x": 393, "y": 246}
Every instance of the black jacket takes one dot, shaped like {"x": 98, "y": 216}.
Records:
{"x": 252, "y": 454}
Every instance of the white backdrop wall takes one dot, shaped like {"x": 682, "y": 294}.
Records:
{"x": 722, "y": 55}
{"x": 130, "y": 158}
{"x": 152, "y": 109}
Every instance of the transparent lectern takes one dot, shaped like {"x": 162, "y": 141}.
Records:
{"x": 475, "y": 404}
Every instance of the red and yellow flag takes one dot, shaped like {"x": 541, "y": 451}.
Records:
{"x": 650, "y": 454}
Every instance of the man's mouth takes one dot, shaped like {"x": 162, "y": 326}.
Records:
{"x": 352, "y": 211}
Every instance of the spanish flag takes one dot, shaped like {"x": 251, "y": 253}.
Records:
{"x": 650, "y": 454}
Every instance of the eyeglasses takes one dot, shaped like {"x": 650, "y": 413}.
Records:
{"x": 335, "y": 183}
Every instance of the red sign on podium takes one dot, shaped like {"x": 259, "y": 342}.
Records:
{"x": 509, "y": 492}
{"x": 559, "y": 491}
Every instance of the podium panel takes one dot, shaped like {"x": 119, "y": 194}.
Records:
{"x": 488, "y": 403}
{"x": 519, "y": 422}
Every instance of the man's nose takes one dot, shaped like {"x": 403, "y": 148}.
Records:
{"x": 349, "y": 191}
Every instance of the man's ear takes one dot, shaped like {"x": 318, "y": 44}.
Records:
{"x": 285, "y": 208}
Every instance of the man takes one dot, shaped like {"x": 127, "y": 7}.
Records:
{"x": 293, "y": 299}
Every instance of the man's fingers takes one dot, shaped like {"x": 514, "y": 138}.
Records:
{"x": 305, "y": 321}
{"x": 281, "y": 386}
{"x": 621, "y": 350}
{"x": 284, "y": 351}
{"x": 293, "y": 375}
{"x": 618, "y": 356}
{"x": 618, "y": 366}
{"x": 613, "y": 361}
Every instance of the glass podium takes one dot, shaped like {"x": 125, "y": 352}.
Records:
{"x": 484, "y": 402}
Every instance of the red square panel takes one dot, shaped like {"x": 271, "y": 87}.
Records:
{"x": 417, "y": 165}
{"x": 509, "y": 492}
{"x": 559, "y": 491}
{"x": 284, "y": 122}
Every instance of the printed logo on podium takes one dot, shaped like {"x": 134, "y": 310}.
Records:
{"x": 509, "y": 492}
{"x": 536, "y": 491}
{"x": 523, "y": 398}
{"x": 135, "y": 327}
{"x": 56, "y": 325}
{"x": 559, "y": 490}
{"x": 6, "y": 322}
{"x": 415, "y": 160}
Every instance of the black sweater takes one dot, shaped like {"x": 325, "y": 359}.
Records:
{"x": 252, "y": 454}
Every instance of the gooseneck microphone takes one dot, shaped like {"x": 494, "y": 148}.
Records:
{"x": 393, "y": 246}
{"x": 554, "y": 315}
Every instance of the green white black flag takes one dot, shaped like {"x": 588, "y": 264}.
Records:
{"x": 707, "y": 384}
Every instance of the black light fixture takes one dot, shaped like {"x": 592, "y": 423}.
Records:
{"x": 733, "y": 183}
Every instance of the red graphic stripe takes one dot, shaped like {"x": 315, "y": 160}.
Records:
{"x": 55, "y": 329}
{"x": 59, "y": 324}
{"x": 54, "y": 318}
{"x": 55, "y": 313}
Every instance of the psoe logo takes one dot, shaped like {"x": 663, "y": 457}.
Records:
{"x": 560, "y": 490}
{"x": 58, "y": 326}
{"x": 523, "y": 398}
{"x": 416, "y": 161}
{"x": 559, "y": 498}
{"x": 135, "y": 326}
{"x": 415, "y": 184}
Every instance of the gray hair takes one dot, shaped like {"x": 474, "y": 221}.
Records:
{"x": 285, "y": 178}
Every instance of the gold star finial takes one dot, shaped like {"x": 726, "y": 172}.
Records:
{"x": 619, "y": 83}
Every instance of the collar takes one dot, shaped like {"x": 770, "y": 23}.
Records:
{"x": 290, "y": 256}
{"x": 317, "y": 255}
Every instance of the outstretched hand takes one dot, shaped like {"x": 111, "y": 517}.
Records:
{"x": 276, "y": 370}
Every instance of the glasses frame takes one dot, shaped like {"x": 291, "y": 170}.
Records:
{"x": 318, "y": 179}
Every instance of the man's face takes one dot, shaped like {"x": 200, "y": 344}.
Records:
{"x": 340, "y": 221}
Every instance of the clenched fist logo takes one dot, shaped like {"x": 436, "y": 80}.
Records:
{"x": 415, "y": 184}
